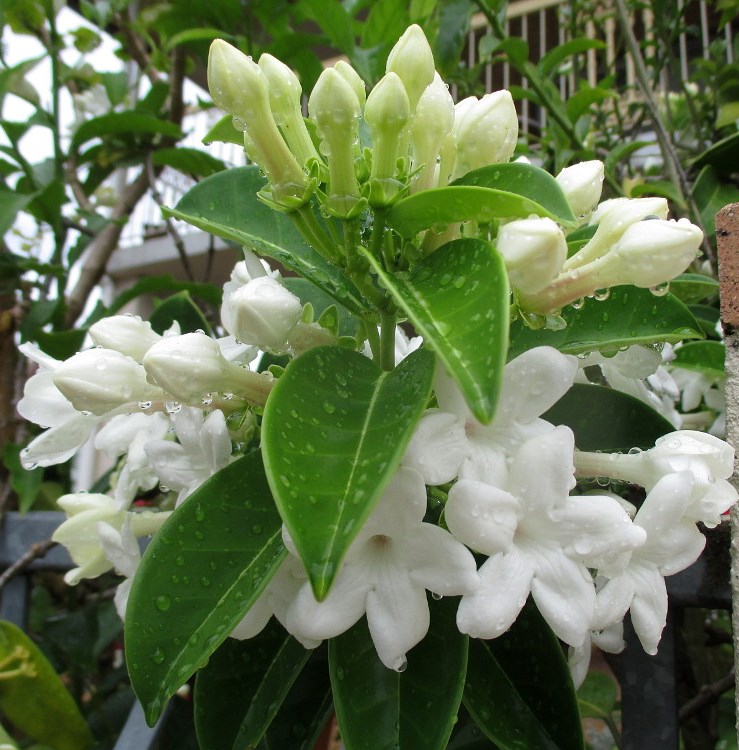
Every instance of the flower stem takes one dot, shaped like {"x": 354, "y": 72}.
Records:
{"x": 387, "y": 339}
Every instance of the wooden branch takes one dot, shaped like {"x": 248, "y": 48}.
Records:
{"x": 35, "y": 551}
{"x": 102, "y": 247}
{"x": 707, "y": 694}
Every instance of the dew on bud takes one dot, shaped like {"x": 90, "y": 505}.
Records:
{"x": 578, "y": 304}
{"x": 661, "y": 289}
{"x": 601, "y": 295}
{"x": 401, "y": 664}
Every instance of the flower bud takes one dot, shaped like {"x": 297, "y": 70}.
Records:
{"x": 582, "y": 185}
{"x": 125, "y": 334}
{"x": 488, "y": 133}
{"x": 353, "y": 79}
{"x": 238, "y": 86}
{"x": 533, "y": 250}
{"x": 189, "y": 366}
{"x": 387, "y": 112}
{"x": 413, "y": 61}
{"x": 100, "y": 380}
{"x": 648, "y": 254}
{"x": 335, "y": 109}
{"x": 264, "y": 313}
{"x": 614, "y": 218}
{"x": 652, "y": 252}
{"x": 284, "y": 98}
{"x": 79, "y": 532}
{"x": 432, "y": 122}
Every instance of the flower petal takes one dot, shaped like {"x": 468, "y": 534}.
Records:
{"x": 505, "y": 583}
{"x": 564, "y": 594}
{"x": 437, "y": 448}
{"x": 398, "y": 617}
{"x": 649, "y": 608}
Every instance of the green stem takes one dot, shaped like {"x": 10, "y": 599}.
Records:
{"x": 373, "y": 337}
{"x": 387, "y": 339}
{"x": 314, "y": 234}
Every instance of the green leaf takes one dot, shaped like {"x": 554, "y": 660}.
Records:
{"x": 123, "y": 124}
{"x": 334, "y": 430}
{"x": 10, "y": 204}
{"x": 527, "y": 181}
{"x": 453, "y": 28}
{"x": 702, "y": 356}
{"x": 580, "y": 102}
{"x": 306, "y": 709}
{"x": 26, "y": 483}
{"x": 597, "y": 696}
{"x": 195, "y": 35}
{"x": 519, "y": 689}
{"x": 629, "y": 316}
{"x": 224, "y": 132}
{"x": 61, "y": 344}
{"x": 203, "y": 570}
{"x": 334, "y": 22}
{"x": 661, "y": 188}
{"x": 502, "y": 191}
{"x": 380, "y": 709}
{"x": 386, "y": 22}
{"x": 240, "y": 690}
{"x": 458, "y": 298}
{"x": 189, "y": 161}
{"x": 708, "y": 318}
{"x": 722, "y": 155}
{"x": 38, "y": 705}
{"x": 623, "y": 421}
{"x": 155, "y": 285}
{"x": 515, "y": 49}
{"x": 226, "y": 205}
{"x": 712, "y": 194}
{"x": 693, "y": 287}
{"x": 553, "y": 59}
{"x": 620, "y": 153}
{"x": 179, "y": 307}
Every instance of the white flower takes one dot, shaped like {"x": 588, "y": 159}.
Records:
{"x": 450, "y": 442}
{"x": 80, "y": 533}
{"x": 673, "y": 543}
{"x": 487, "y": 133}
{"x": 412, "y": 60}
{"x": 102, "y": 380}
{"x": 386, "y": 572}
{"x": 204, "y": 448}
{"x": 44, "y": 404}
{"x": 129, "y": 434}
{"x": 582, "y": 185}
{"x": 263, "y": 312}
{"x": 533, "y": 250}
{"x": 275, "y": 600}
{"x": 121, "y": 548}
{"x": 540, "y": 541}
{"x": 124, "y": 333}
{"x": 610, "y": 640}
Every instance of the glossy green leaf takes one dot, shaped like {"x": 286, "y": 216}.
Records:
{"x": 722, "y": 155}
{"x": 629, "y": 316}
{"x": 224, "y": 132}
{"x": 10, "y": 204}
{"x": 458, "y": 298}
{"x": 623, "y": 421}
{"x": 503, "y": 191}
{"x": 306, "y": 708}
{"x": 526, "y": 181}
{"x": 26, "y": 483}
{"x": 195, "y": 35}
{"x": 334, "y": 430}
{"x": 597, "y": 696}
{"x": 39, "y": 705}
{"x": 380, "y": 709}
{"x": 708, "y": 319}
{"x": 190, "y": 161}
{"x": 519, "y": 689}
{"x": 198, "y": 577}
{"x": 243, "y": 685}
{"x": 702, "y": 356}
{"x": 711, "y": 194}
{"x": 181, "y": 308}
{"x": 125, "y": 124}
{"x": 694, "y": 287}
{"x": 581, "y": 101}
{"x": 226, "y": 205}
{"x": 553, "y": 59}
